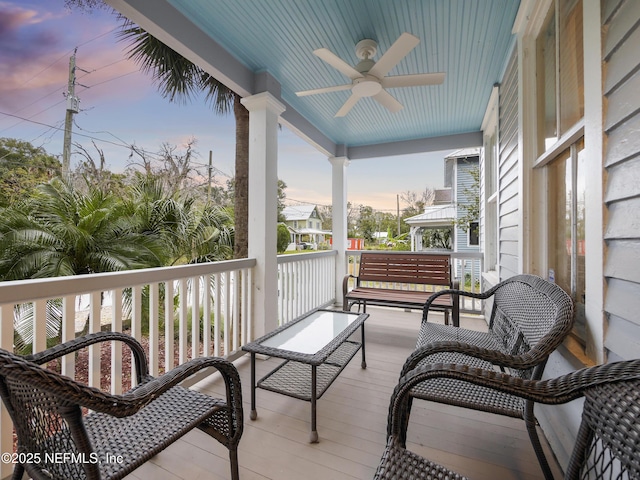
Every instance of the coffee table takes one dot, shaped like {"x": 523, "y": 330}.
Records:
{"x": 316, "y": 348}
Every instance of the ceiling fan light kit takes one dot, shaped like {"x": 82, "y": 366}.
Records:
{"x": 368, "y": 78}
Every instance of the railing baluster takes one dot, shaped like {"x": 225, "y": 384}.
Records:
{"x": 227, "y": 313}
{"x": 116, "y": 347}
{"x": 168, "y": 326}
{"x": 136, "y": 325}
{"x": 206, "y": 315}
{"x": 6, "y": 426}
{"x": 183, "y": 338}
{"x": 217, "y": 303}
{"x": 95, "y": 311}
{"x": 236, "y": 310}
{"x": 68, "y": 333}
{"x": 39, "y": 325}
{"x": 154, "y": 303}
{"x": 195, "y": 317}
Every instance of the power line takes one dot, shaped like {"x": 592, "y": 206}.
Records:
{"x": 66, "y": 54}
{"x": 62, "y": 129}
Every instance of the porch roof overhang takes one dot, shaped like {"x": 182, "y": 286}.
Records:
{"x": 255, "y": 46}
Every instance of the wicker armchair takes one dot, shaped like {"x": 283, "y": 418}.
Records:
{"x": 529, "y": 319}
{"x": 122, "y": 431}
{"x": 607, "y": 442}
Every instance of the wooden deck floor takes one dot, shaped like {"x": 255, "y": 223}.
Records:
{"x": 352, "y": 419}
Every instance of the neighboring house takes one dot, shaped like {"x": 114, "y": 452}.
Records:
{"x": 448, "y": 204}
{"x": 305, "y": 225}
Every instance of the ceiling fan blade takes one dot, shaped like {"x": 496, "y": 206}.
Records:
{"x": 401, "y": 47}
{"x": 348, "y": 105}
{"x": 337, "y": 63}
{"x": 385, "y": 99}
{"x": 337, "y": 88}
{"x": 413, "y": 80}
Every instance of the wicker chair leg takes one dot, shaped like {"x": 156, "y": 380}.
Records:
{"x": 233, "y": 457}
{"x": 18, "y": 472}
{"x": 530, "y": 422}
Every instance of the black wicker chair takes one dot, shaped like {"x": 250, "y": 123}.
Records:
{"x": 530, "y": 318}
{"x": 607, "y": 444}
{"x": 122, "y": 431}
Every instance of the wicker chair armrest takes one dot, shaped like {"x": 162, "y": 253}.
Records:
{"x": 552, "y": 391}
{"x": 521, "y": 362}
{"x": 75, "y": 393}
{"x": 79, "y": 343}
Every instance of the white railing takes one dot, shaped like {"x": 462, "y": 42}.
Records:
{"x": 467, "y": 269}
{"x": 305, "y": 281}
{"x": 157, "y": 306}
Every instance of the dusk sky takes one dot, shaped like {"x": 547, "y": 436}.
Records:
{"x": 121, "y": 106}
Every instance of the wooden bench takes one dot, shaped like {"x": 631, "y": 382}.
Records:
{"x": 389, "y": 279}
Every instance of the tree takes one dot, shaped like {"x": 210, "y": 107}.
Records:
{"x": 179, "y": 80}
{"x": 61, "y": 231}
{"x": 92, "y": 173}
{"x": 175, "y": 166}
{"x": 471, "y": 208}
{"x": 284, "y": 237}
{"x": 189, "y": 233}
{"x": 22, "y": 168}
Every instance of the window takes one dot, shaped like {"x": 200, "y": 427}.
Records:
{"x": 560, "y": 110}
{"x": 474, "y": 233}
{"x": 567, "y": 233}
{"x": 560, "y": 66}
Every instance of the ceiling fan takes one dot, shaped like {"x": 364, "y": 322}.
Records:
{"x": 368, "y": 77}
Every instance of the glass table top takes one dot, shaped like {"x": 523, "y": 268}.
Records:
{"x": 312, "y": 333}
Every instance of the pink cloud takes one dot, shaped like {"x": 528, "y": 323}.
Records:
{"x": 35, "y": 47}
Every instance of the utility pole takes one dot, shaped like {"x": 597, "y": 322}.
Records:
{"x": 72, "y": 108}
{"x": 398, "y": 211}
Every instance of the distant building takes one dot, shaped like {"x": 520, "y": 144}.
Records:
{"x": 305, "y": 225}
{"x": 447, "y": 204}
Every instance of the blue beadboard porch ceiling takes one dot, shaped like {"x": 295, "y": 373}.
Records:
{"x": 468, "y": 39}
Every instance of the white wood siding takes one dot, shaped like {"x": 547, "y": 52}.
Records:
{"x": 508, "y": 216}
{"x": 621, "y": 22}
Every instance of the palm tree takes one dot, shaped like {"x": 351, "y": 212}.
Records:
{"x": 191, "y": 233}
{"x": 61, "y": 231}
{"x": 179, "y": 79}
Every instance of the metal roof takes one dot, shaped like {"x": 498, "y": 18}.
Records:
{"x": 298, "y": 212}
{"x": 253, "y": 44}
{"x": 440, "y": 215}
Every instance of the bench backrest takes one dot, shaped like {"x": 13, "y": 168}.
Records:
{"x": 531, "y": 315}
{"x": 409, "y": 267}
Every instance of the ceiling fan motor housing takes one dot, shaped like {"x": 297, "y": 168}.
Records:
{"x": 367, "y": 86}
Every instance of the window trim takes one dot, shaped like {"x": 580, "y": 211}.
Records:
{"x": 564, "y": 142}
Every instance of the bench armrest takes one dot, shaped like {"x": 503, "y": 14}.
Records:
{"x": 345, "y": 284}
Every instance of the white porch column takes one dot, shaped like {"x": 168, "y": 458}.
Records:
{"x": 264, "y": 110}
{"x": 339, "y": 218}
